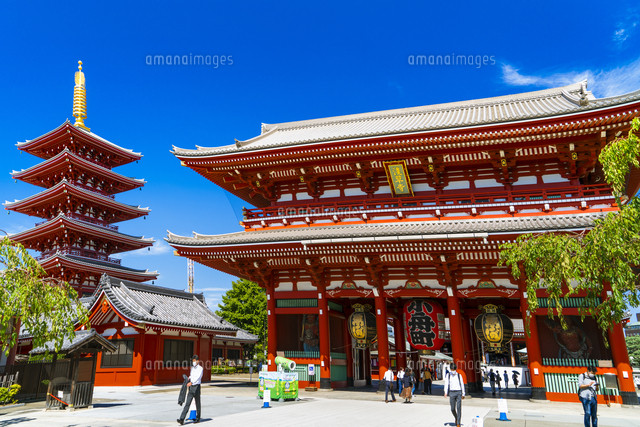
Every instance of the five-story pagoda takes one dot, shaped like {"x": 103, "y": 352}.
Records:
{"x": 78, "y": 202}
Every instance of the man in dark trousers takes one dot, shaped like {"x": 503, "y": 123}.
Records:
{"x": 492, "y": 381}
{"x": 389, "y": 380}
{"x": 193, "y": 386}
{"x": 588, "y": 393}
{"x": 454, "y": 388}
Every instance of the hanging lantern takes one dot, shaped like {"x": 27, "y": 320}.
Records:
{"x": 362, "y": 325}
{"x": 493, "y": 328}
{"x": 424, "y": 320}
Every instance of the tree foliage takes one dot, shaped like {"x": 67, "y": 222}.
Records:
{"x": 45, "y": 307}
{"x": 599, "y": 262}
{"x": 633, "y": 347}
{"x": 245, "y": 305}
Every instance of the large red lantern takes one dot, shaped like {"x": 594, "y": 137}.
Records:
{"x": 424, "y": 321}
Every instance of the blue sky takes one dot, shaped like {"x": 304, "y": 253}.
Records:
{"x": 288, "y": 61}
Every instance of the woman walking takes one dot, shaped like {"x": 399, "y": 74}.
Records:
{"x": 408, "y": 382}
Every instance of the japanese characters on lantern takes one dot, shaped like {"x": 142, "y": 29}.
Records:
{"x": 424, "y": 321}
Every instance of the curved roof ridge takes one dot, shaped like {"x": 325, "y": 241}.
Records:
{"x": 446, "y": 106}
{"x": 389, "y": 230}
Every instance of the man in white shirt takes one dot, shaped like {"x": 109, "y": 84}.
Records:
{"x": 400, "y": 378}
{"x": 195, "y": 378}
{"x": 588, "y": 393}
{"x": 454, "y": 388}
{"x": 389, "y": 380}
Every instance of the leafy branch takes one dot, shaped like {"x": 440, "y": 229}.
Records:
{"x": 600, "y": 263}
{"x": 46, "y": 307}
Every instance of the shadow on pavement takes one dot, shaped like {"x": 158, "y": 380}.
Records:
{"x": 14, "y": 421}
{"x": 109, "y": 405}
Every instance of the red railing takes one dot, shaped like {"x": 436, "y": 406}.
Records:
{"x": 81, "y": 253}
{"x": 88, "y": 220}
{"x": 94, "y": 190}
{"x": 437, "y": 205}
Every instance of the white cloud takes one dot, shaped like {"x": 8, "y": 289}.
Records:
{"x": 620, "y": 35}
{"x": 603, "y": 83}
{"x": 160, "y": 247}
{"x": 513, "y": 77}
{"x": 626, "y": 26}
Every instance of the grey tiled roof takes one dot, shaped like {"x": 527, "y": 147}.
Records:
{"x": 147, "y": 303}
{"x": 502, "y": 109}
{"x": 394, "y": 231}
{"x": 81, "y": 339}
{"x": 241, "y": 336}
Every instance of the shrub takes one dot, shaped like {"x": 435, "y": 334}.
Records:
{"x": 7, "y": 394}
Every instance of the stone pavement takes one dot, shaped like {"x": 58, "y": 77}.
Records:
{"x": 234, "y": 403}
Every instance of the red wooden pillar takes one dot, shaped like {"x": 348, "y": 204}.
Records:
{"x": 143, "y": 356}
{"x": 325, "y": 347}
{"x": 383, "y": 336}
{"x": 455, "y": 331}
{"x": 159, "y": 357}
{"x": 620, "y": 358}
{"x": 401, "y": 346}
{"x": 272, "y": 331}
{"x": 470, "y": 367}
{"x": 538, "y": 390}
{"x": 621, "y": 362}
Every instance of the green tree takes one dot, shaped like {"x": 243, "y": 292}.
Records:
{"x": 48, "y": 308}
{"x": 245, "y": 305}
{"x": 600, "y": 261}
{"x": 633, "y": 347}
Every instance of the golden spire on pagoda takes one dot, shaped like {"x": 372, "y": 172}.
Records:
{"x": 80, "y": 99}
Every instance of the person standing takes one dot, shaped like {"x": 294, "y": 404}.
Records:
{"x": 454, "y": 388}
{"x": 515, "y": 379}
{"x": 389, "y": 380}
{"x": 400, "y": 380}
{"x": 193, "y": 386}
{"x": 588, "y": 393}
{"x": 492, "y": 381}
{"x": 506, "y": 380}
{"x": 498, "y": 380}
{"x": 427, "y": 381}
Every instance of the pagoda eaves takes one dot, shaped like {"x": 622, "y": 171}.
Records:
{"x": 68, "y": 165}
{"x": 62, "y": 229}
{"x": 81, "y": 142}
{"x": 69, "y": 199}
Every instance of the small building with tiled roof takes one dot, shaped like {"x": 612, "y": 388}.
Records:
{"x": 156, "y": 330}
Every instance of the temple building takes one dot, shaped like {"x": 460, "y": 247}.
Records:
{"x": 78, "y": 235}
{"x": 400, "y": 214}
{"x": 155, "y": 330}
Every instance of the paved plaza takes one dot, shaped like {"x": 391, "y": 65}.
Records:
{"x": 234, "y": 403}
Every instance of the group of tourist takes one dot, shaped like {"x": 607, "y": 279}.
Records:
{"x": 495, "y": 379}
{"x": 453, "y": 387}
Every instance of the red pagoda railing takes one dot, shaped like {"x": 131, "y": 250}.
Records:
{"x": 436, "y": 205}
{"x": 81, "y": 253}
{"x": 88, "y": 220}
{"x": 94, "y": 190}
